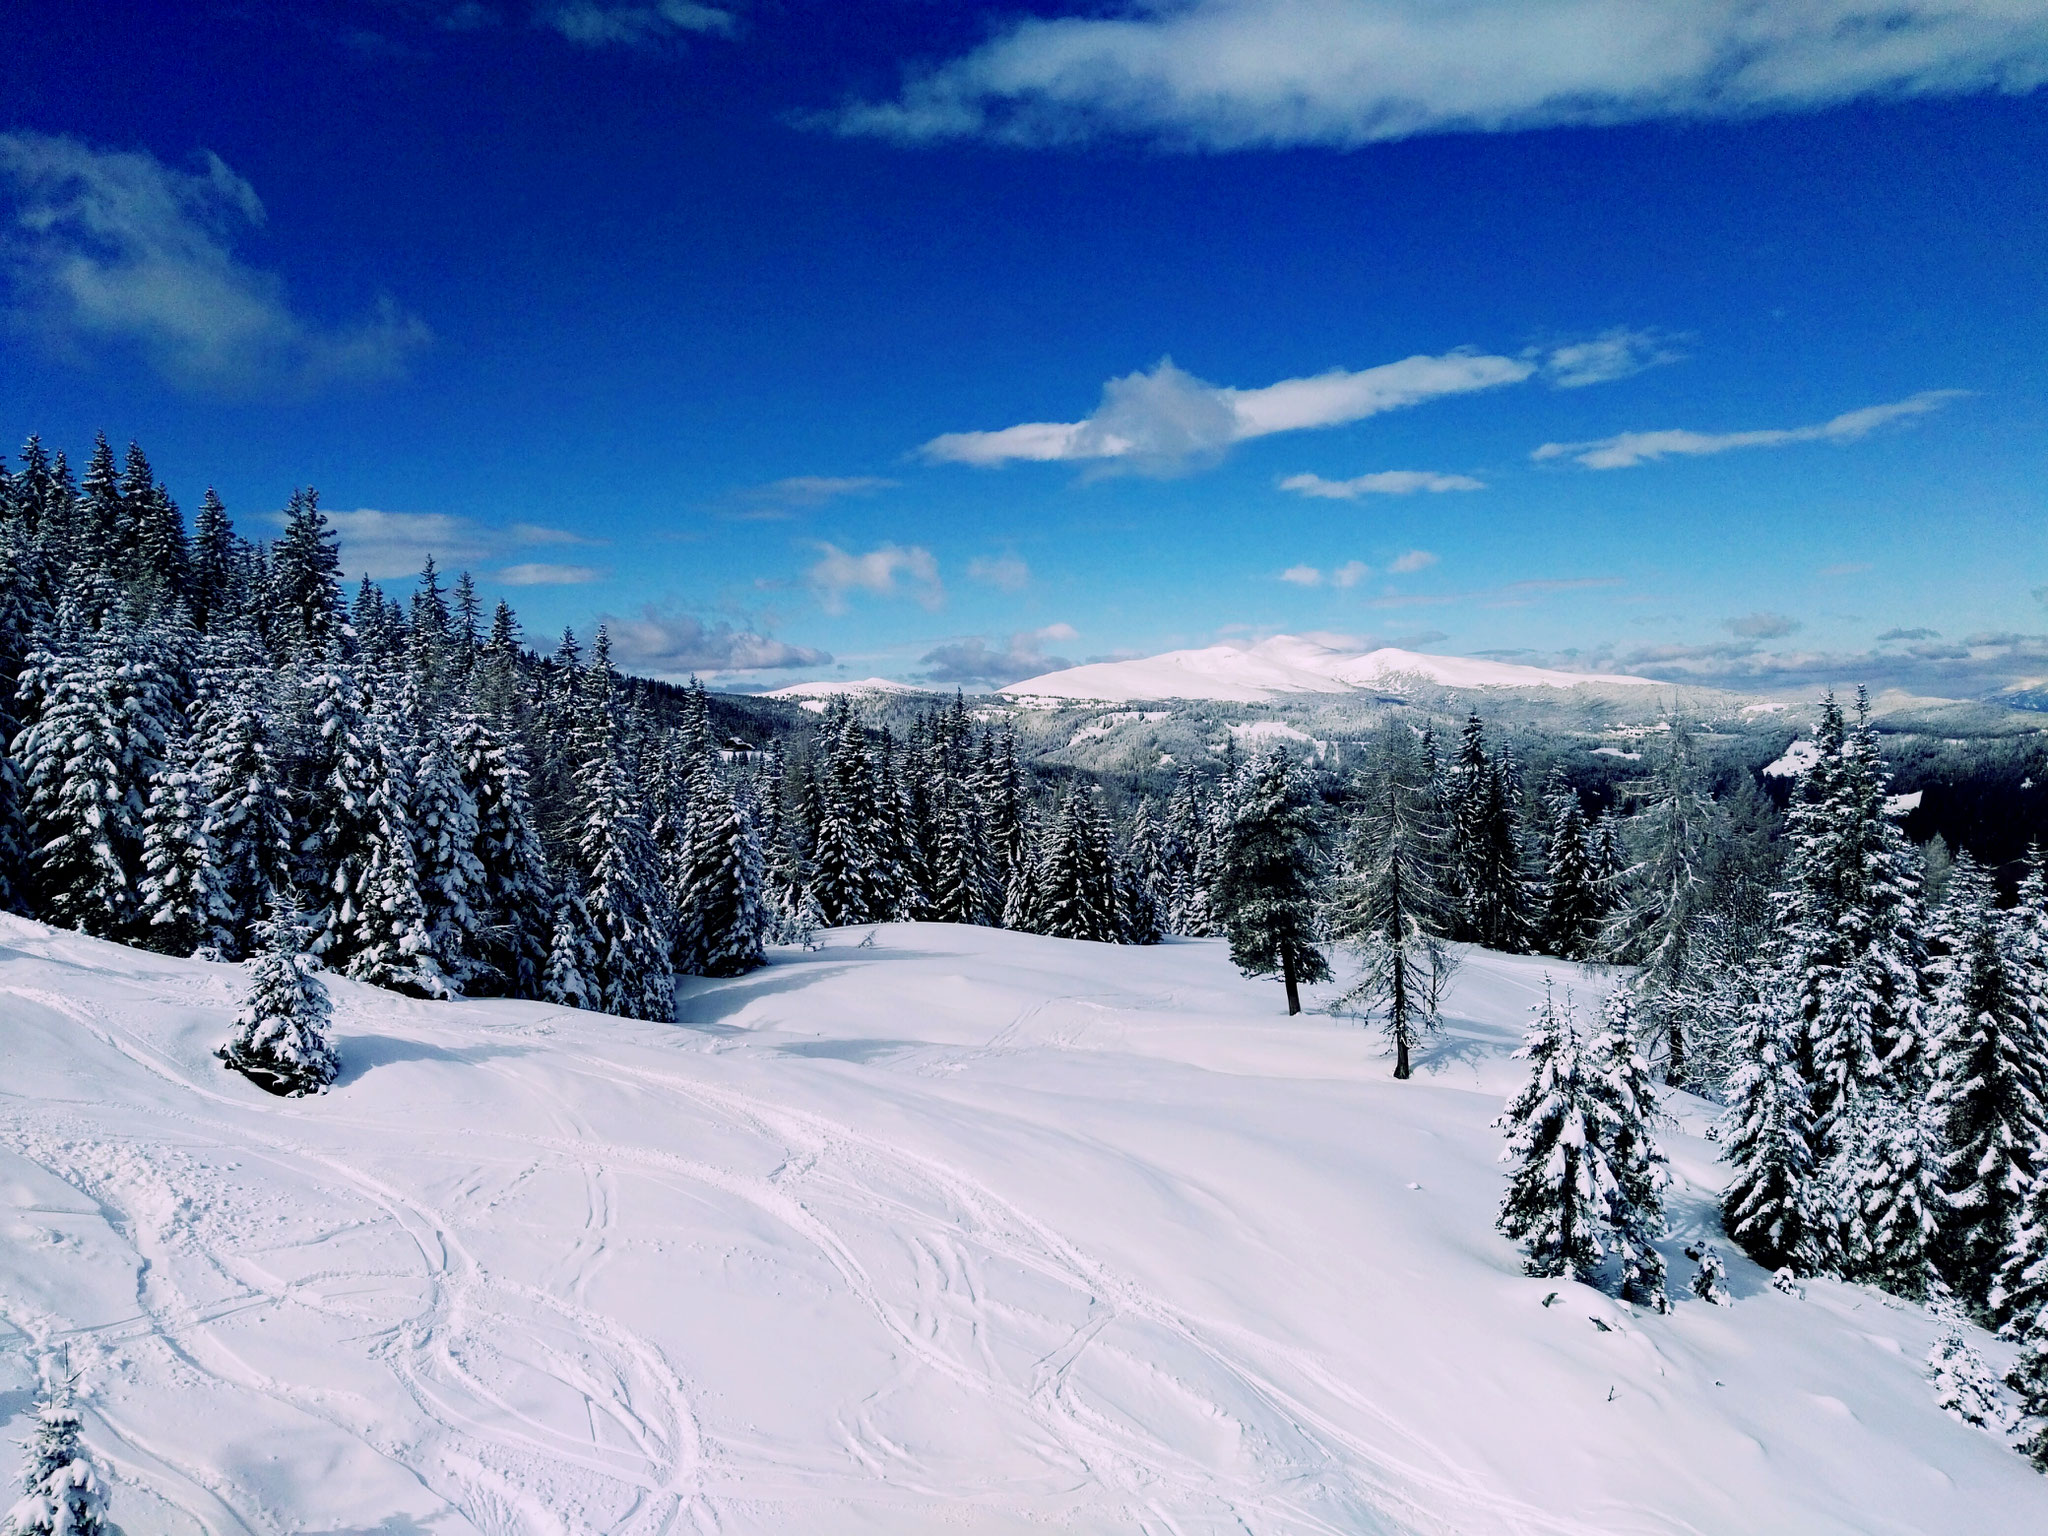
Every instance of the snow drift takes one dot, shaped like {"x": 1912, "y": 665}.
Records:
{"x": 1289, "y": 664}
{"x": 959, "y": 1229}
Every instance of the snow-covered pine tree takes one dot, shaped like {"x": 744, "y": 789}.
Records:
{"x": 1389, "y": 905}
{"x": 1570, "y": 922}
{"x": 962, "y": 874}
{"x": 723, "y": 880}
{"x": 570, "y": 977}
{"x": 844, "y": 877}
{"x": 514, "y": 902}
{"x": 1774, "y": 1204}
{"x": 99, "y": 712}
{"x": 183, "y": 905}
{"x": 1265, "y": 890}
{"x": 1636, "y": 1204}
{"x": 1988, "y": 1096}
{"x": 1560, "y": 1184}
{"x": 1964, "y": 1388}
{"x": 1885, "y": 1179}
{"x": 305, "y": 581}
{"x": 213, "y": 593}
{"x": 1075, "y": 885}
{"x": 623, "y": 894}
{"x": 1189, "y": 866}
{"x": 247, "y": 820}
{"x": 450, "y": 878}
{"x": 1490, "y": 888}
{"x": 62, "y": 1492}
{"x": 280, "y": 1041}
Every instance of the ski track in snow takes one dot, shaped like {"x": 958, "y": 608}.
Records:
{"x": 510, "y": 1392}
{"x": 1295, "y": 1470}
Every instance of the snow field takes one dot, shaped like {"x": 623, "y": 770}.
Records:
{"x": 962, "y": 1230}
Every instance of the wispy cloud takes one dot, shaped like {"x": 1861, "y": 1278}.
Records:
{"x": 1414, "y": 560}
{"x": 1615, "y": 354}
{"x": 1909, "y": 634}
{"x": 1167, "y": 419}
{"x": 664, "y": 641}
{"x": 1004, "y": 572}
{"x": 973, "y": 659}
{"x": 802, "y": 493}
{"x": 113, "y": 246}
{"x": 1232, "y": 74}
{"x": 605, "y": 24}
{"x": 893, "y": 570}
{"x": 1628, "y": 449}
{"x": 540, "y": 573}
{"x": 1385, "y": 482}
{"x": 1762, "y": 626}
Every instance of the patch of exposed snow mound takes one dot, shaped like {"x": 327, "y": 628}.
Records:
{"x": 962, "y": 1229}
{"x": 1289, "y": 664}
{"x": 827, "y": 688}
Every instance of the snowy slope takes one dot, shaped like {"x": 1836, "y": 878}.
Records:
{"x": 1288, "y": 664}
{"x": 964, "y": 1230}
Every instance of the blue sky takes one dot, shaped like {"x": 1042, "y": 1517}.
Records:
{"x": 1704, "y": 341}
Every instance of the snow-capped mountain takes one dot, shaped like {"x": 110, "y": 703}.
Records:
{"x": 832, "y": 688}
{"x": 1290, "y": 664}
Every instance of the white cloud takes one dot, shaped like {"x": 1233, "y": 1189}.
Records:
{"x": 1006, "y": 572}
{"x": 1386, "y": 482}
{"x": 972, "y": 659}
{"x": 889, "y": 571}
{"x": 666, "y": 642}
{"x": 539, "y": 573}
{"x": 1762, "y": 626}
{"x": 114, "y": 246}
{"x": 1628, "y": 449}
{"x": 1349, "y": 574}
{"x": 381, "y": 544}
{"x": 1164, "y": 420}
{"x": 1615, "y": 354}
{"x": 1230, "y": 74}
{"x": 1414, "y": 560}
{"x": 595, "y": 24}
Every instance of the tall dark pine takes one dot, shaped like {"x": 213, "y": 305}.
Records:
{"x": 305, "y": 582}
{"x": 1571, "y": 897}
{"x": 1493, "y": 893}
{"x": 1265, "y": 889}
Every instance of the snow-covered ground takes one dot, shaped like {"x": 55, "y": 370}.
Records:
{"x": 956, "y": 1230}
{"x": 1288, "y": 664}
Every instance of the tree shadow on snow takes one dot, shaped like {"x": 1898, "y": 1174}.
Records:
{"x": 701, "y": 1001}
{"x": 1445, "y": 1051}
{"x": 361, "y": 1054}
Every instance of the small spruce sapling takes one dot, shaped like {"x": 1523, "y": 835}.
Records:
{"x": 1710, "y": 1280}
{"x": 63, "y": 1493}
{"x": 1561, "y": 1187}
{"x": 1964, "y": 1388}
{"x": 280, "y": 1041}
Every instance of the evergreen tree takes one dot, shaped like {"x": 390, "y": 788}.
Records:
{"x": 1266, "y": 888}
{"x": 630, "y": 922}
{"x": 724, "y": 878}
{"x": 214, "y": 561}
{"x": 1773, "y": 1204}
{"x": 1989, "y": 1061}
{"x": 451, "y": 879}
{"x": 280, "y": 1041}
{"x": 183, "y": 903}
{"x": 1075, "y": 882}
{"x": 1490, "y": 888}
{"x": 570, "y": 979}
{"x": 248, "y": 823}
{"x": 1561, "y": 1185}
{"x": 1389, "y": 904}
{"x": 62, "y": 1491}
{"x": 1571, "y": 897}
{"x": 844, "y": 878}
{"x": 305, "y": 579}
{"x": 514, "y": 902}
{"x": 1636, "y": 1204}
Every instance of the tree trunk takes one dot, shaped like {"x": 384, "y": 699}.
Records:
{"x": 1398, "y": 1016}
{"x": 1675, "y": 1074}
{"x": 1287, "y": 975}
